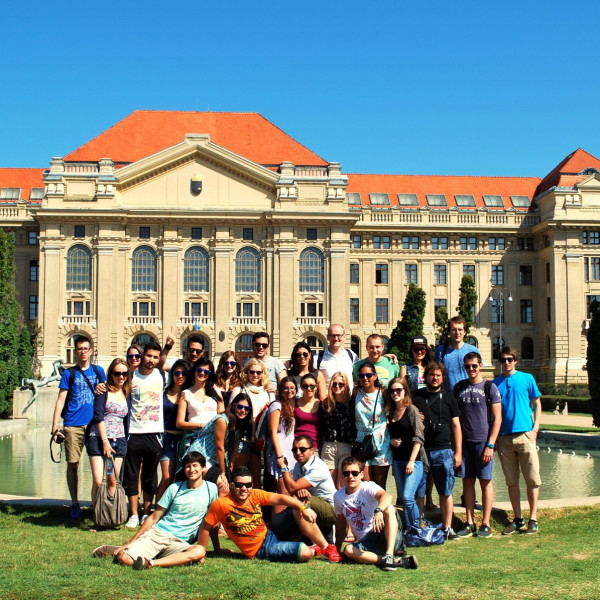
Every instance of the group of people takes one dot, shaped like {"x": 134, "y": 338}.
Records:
{"x": 235, "y": 439}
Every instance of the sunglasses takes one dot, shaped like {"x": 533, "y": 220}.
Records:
{"x": 507, "y": 359}
{"x": 419, "y": 349}
{"x": 202, "y": 371}
{"x": 231, "y": 363}
{"x": 300, "y": 449}
{"x": 134, "y": 356}
{"x": 302, "y": 355}
{"x": 350, "y": 473}
{"x": 471, "y": 367}
{"x": 241, "y": 407}
{"x": 254, "y": 372}
{"x": 366, "y": 375}
{"x": 242, "y": 484}
{"x": 308, "y": 386}
{"x": 338, "y": 385}
{"x": 397, "y": 390}
{"x": 179, "y": 373}
{"x": 120, "y": 373}
{"x": 289, "y": 389}
{"x": 259, "y": 345}
{"x": 195, "y": 351}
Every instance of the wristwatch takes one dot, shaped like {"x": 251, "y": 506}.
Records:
{"x": 492, "y": 446}
{"x": 377, "y": 510}
{"x": 284, "y": 470}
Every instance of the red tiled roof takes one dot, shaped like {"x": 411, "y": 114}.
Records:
{"x": 143, "y": 133}
{"x": 449, "y": 185}
{"x": 22, "y": 178}
{"x": 571, "y": 166}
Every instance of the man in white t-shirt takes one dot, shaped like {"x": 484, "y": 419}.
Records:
{"x": 146, "y": 427}
{"x": 367, "y": 509}
{"x": 335, "y": 357}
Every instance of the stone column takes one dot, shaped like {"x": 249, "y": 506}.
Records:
{"x": 221, "y": 293}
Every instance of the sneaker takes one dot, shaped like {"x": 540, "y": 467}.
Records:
{"x": 316, "y": 550}
{"x": 532, "y": 527}
{"x": 140, "y": 563}
{"x": 388, "y": 564}
{"x": 467, "y": 531}
{"x": 75, "y": 511}
{"x": 450, "y": 534}
{"x": 485, "y": 531}
{"x": 516, "y": 525}
{"x": 408, "y": 562}
{"x": 102, "y": 551}
{"x": 331, "y": 554}
{"x": 133, "y": 522}
{"x": 143, "y": 519}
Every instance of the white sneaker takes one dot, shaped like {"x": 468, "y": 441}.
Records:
{"x": 143, "y": 519}
{"x": 133, "y": 522}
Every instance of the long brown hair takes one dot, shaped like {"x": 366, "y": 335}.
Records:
{"x": 110, "y": 377}
{"x": 287, "y": 405}
{"x": 390, "y": 405}
{"x": 329, "y": 401}
{"x": 234, "y": 381}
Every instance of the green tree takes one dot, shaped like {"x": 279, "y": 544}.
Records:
{"x": 593, "y": 361}
{"x": 467, "y": 300}
{"x": 410, "y": 325}
{"x": 25, "y": 354}
{"x": 9, "y": 325}
{"x": 441, "y": 325}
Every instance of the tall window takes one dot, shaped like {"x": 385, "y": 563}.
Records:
{"x": 381, "y": 273}
{"x": 354, "y": 310}
{"x": 497, "y": 275}
{"x": 381, "y": 310}
{"x": 79, "y": 268}
{"x": 526, "y": 275}
{"x": 354, "y": 273}
{"x": 439, "y": 274}
{"x": 469, "y": 270}
{"x": 526, "y": 311}
{"x": 410, "y": 274}
{"x": 34, "y": 270}
{"x": 247, "y": 270}
{"x": 33, "y": 308}
{"x": 143, "y": 270}
{"x": 312, "y": 271}
{"x": 195, "y": 270}
{"x": 497, "y": 344}
{"x": 527, "y": 348}
{"x": 243, "y": 347}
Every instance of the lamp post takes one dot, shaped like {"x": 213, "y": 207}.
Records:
{"x": 497, "y": 299}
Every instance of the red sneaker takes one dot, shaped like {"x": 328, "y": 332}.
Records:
{"x": 316, "y": 550}
{"x": 332, "y": 554}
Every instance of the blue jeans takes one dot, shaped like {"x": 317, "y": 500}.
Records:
{"x": 407, "y": 486}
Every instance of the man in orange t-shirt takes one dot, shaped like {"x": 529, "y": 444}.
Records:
{"x": 241, "y": 515}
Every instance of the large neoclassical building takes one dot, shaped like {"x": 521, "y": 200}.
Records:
{"x": 223, "y": 225}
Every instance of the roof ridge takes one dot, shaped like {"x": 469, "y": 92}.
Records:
{"x": 454, "y": 176}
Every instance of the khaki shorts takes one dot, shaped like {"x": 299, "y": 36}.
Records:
{"x": 518, "y": 451}
{"x": 333, "y": 453}
{"x": 155, "y": 543}
{"x": 325, "y": 511}
{"x": 74, "y": 443}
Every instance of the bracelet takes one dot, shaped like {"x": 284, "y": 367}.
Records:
{"x": 492, "y": 446}
{"x": 279, "y": 457}
{"x": 303, "y": 508}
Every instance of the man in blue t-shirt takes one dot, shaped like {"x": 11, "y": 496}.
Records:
{"x": 452, "y": 354}
{"x": 75, "y": 405}
{"x": 521, "y": 413}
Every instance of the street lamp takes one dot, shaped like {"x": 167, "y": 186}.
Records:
{"x": 498, "y": 301}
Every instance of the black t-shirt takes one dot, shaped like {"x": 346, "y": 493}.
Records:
{"x": 439, "y": 408}
{"x": 401, "y": 429}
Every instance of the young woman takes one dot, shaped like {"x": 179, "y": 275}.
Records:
{"x": 406, "y": 440}
{"x": 172, "y": 436}
{"x": 240, "y": 433}
{"x": 228, "y": 376}
{"x": 307, "y": 414}
{"x": 414, "y": 371}
{"x": 338, "y": 425}
{"x": 301, "y": 363}
{"x": 134, "y": 357}
{"x": 281, "y": 433}
{"x": 371, "y": 419}
{"x": 106, "y": 435}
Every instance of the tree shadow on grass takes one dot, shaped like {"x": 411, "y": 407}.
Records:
{"x": 36, "y": 513}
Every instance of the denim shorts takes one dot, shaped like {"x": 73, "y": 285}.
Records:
{"x": 376, "y": 542}
{"x": 472, "y": 466}
{"x": 170, "y": 443}
{"x": 94, "y": 446}
{"x": 276, "y": 551}
{"x": 441, "y": 466}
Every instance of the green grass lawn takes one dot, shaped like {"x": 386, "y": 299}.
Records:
{"x": 570, "y": 429}
{"x": 43, "y": 556}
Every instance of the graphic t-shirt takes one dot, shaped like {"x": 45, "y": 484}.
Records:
{"x": 243, "y": 523}
{"x": 146, "y": 403}
{"x": 358, "y": 508}
{"x": 80, "y": 408}
{"x": 474, "y": 411}
{"x": 385, "y": 369}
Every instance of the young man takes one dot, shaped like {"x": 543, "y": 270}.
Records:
{"x": 385, "y": 368}
{"x": 145, "y": 433}
{"x": 240, "y": 513}
{"x": 452, "y": 354}
{"x": 368, "y": 510}
{"x": 194, "y": 350}
{"x": 75, "y": 405}
{"x": 442, "y": 435}
{"x": 335, "y": 357}
{"x": 521, "y": 413}
{"x": 310, "y": 481}
{"x": 165, "y": 539}
{"x": 480, "y": 417}
{"x": 260, "y": 350}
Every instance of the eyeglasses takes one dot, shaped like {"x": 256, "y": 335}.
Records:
{"x": 507, "y": 359}
{"x": 335, "y": 335}
{"x": 397, "y": 390}
{"x": 308, "y": 386}
{"x": 336, "y": 384}
{"x": 134, "y": 356}
{"x": 202, "y": 371}
{"x": 179, "y": 373}
{"x": 259, "y": 345}
{"x": 471, "y": 367}
{"x": 300, "y": 449}
{"x": 242, "y": 484}
{"x": 241, "y": 407}
{"x": 195, "y": 350}
{"x": 419, "y": 349}
{"x": 350, "y": 473}
{"x": 85, "y": 350}
{"x": 231, "y": 363}
{"x": 255, "y": 372}
{"x": 120, "y": 373}
{"x": 290, "y": 389}
{"x": 302, "y": 355}
{"x": 367, "y": 375}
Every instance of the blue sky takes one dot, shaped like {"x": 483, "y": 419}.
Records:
{"x": 465, "y": 88}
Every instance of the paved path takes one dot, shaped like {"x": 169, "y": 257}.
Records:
{"x": 549, "y": 418}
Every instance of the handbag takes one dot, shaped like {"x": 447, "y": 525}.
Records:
{"x": 110, "y": 512}
{"x": 429, "y": 535}
{"x": 366, "y": 449}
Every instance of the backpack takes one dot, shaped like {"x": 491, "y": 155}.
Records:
{"x": 461, "y": 386}
{"x": 72, "y": 381}
{"x": 320, "y": 354}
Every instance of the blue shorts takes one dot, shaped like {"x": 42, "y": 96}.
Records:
{"x": 376, "y": 542}
{"x": 170, "y": 444}
{"x": 441, "y": 466}
{"x": 276, "y": 551}
{"x": 472, "y": 466}
{"x": 94, "y": 446}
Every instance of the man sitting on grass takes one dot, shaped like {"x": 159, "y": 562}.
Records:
{"x": 165, "y": 538}
{"x": 368, "y": 510}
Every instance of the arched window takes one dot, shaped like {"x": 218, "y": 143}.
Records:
{"x": 497, "y": 345}
{"x": 312, "y": 270}
{"x": 355, "y": 345}
{"x": 70, "y": 350}
{"x": 527, "y": 348}
{"x": 195, "y": 270}
{"x": 141, "y": 339}
{"x": 79, "y": 268}
{"x": 472, "y": 340}
{"x": 143, "y": 270}
{"x": 247, "y": 271}
{"x": 386, "y": 343}
{"x": 243, "y": 347}
{"x": 315, "y": 343}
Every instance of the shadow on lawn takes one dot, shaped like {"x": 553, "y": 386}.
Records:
{"x": 44, "y": 516}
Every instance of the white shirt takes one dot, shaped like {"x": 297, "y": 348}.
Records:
{"x": 332, "y": 363}
{"x": 358, "y": 508}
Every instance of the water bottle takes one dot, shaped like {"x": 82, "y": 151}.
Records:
{"x": 109, "y": 467}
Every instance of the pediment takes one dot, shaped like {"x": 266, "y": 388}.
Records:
{"x": 590, "y": 183}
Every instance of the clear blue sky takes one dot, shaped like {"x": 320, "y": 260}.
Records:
{"x": 434, "y": 87}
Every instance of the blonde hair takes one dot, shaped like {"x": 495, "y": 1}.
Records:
{"x": 329, "y": 401}
{"x": 251, "y": 363}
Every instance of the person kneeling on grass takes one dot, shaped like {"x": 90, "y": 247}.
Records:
{"x": 165, "y": 538}
{"x": 367, "y": 508}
